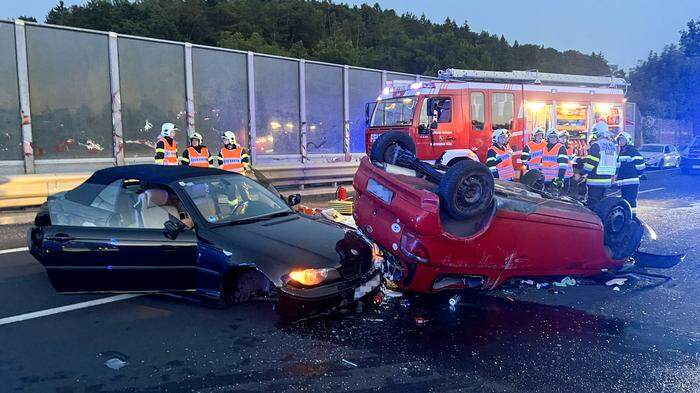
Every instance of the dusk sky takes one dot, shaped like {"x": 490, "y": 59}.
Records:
{"x": 624, "y": 30}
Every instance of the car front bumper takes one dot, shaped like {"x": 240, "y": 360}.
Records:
{"x": 300, "y": 302}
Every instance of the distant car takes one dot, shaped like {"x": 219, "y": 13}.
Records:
{"x": 660, "y": 156}
{"x": 221, "y": 236}
{"x": 456, "y": 228}
{"x": 690, "y": 160}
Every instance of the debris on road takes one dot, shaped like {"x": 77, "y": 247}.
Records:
{"x": 565, "y": 282}
{"x": 541, "y": 285}
{"x": 616, "y": 289}
{"x": 616, "y": 281}
{"x": 349, "y": 363}
{"x": 115, "y": 363}
{"x": 527, "y": 282}
{"x": 420, "y": 321}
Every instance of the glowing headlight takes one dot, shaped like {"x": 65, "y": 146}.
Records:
{"x": 310, "y": 277}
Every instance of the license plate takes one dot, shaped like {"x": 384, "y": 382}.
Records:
{"x": 367, "y": 287}
{"x": 373, "y": 137}
{"x": 378, "y": 190}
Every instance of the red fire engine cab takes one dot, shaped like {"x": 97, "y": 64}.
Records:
{"x": 453, "y": 118}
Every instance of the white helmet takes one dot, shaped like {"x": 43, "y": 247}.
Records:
{"x": 564, "y": 134}
{"x": 196, "y": 135}
{"x": 229, "y": 138}
{"x": 601, "y": 130}
{"x": 167, "y": 129}
{"x": 501, "y": 131}
{"x": 538, "y": 130}
{"x": 552, "y": 132}
{"x": 625, "y": 135}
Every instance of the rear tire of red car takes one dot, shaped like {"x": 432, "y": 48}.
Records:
{"x": 622, "y": 233}
{"x": 533, "y": 179}
{"x": 383, "y": 148}
{"x": 466, "y": 190}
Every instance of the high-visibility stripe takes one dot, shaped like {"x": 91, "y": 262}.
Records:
{"x": 588, "y": 167}
{"x": 593, "y": 158}
{"x": 184, "y": 159}
{"x": 640, "y": 167}
{"x": 598, "y": 182}
{"x": 625, "y": 182}
{"x": 159, "y": 150}
{"x": 491, "y": 159}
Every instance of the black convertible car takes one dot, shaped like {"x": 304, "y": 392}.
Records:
{"x": 222, "y": 236}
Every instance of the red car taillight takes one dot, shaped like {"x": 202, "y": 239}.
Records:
{"x": 413, "y": 248}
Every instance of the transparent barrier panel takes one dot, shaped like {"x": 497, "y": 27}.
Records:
{"x": 390, "y": 76}
{"x": 324, "y": 109}
{"x": 220, "y": 95}
{"x": 152, "y": 78}
{"x": 69, "y": 93}
{"x": 10, "y": 122}
{"x": 365, "y": 86}
{"x": 276, "y": 105}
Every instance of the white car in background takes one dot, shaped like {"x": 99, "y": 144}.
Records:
{"x": 657, "y": 155}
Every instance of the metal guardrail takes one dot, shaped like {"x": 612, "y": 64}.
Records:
{"x": 19, "y": 191}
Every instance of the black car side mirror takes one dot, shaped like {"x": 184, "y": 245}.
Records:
{"x": 294, "y": 200}
{"x": 173, "y": 227}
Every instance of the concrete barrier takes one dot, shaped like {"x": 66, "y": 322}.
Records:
{"x": 17, "y": 191}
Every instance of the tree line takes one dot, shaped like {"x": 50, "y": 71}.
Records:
{"x": 365, "y": 35}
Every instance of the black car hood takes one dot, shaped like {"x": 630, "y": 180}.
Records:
{"x": 280, "y": 245}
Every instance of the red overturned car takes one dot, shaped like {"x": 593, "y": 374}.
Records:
{"x": 454, "y": 228}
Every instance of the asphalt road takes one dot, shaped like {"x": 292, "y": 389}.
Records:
{"x": 583, "y": 338}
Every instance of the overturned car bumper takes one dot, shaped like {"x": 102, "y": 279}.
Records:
{"x": 300, "y": 302}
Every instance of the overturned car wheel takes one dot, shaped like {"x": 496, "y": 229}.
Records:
{"x": 466, "y": 190}
{"x": 385, "y": 145}
{"x": 622, "y": 232}
{"x": 534, "y": 179}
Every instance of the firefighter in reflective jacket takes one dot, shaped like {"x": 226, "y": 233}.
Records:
{"x": 532, "y": 152}
{"x": 554, "y": 161}
{"x": 499, "y": 158}
{"x": 233, "y": 157}
{"x": 601, "y": 163}
{"x": 166, "y": 146}
{"x": 569, "y": 185}
{"x": 197, "y": 154}
{"x": 630, "y": 164}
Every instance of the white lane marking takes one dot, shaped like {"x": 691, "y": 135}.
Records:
{"x": 70, "y": 307}
{"x": 651, "y": 190}
{"x": 11, "y": 250}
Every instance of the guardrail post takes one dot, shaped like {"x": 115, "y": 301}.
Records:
{"x": 24, "y": 104}
{"x": 383, "y": 78}
{"x": 189, "y": 89}
{"x": 302, "y": 108}
{"x": 252, "y": 131}
{"x": 346, "y": 112}
{"x": 417, "y": 78}
{"x": 115, "y": 91}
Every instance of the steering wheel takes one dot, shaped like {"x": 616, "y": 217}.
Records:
{"x": 239, "y": 207}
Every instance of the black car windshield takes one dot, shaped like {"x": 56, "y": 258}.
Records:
{"x": 394, "y": 111}
{"x": 232, "y": 198}
{"x": 652, "y": 148}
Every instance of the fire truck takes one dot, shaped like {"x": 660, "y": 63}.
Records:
{"x": 453, "y": 118}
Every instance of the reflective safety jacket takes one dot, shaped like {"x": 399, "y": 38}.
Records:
{"x": 166, "y": 151}
{"x": 499, "y": 160}
{"x": 532, "y": 154}
{"x": 197, "y": 156}
{"x": 234, "y": 160}
{"x": 554, "y": 161}
{"x": 630, "y": 164}
{"x": 601, "y": 163}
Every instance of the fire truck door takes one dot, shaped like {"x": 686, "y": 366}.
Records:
{"x": 438, "y": 126}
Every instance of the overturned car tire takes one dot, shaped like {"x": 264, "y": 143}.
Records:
{"x": 383, "y": 148}
{"x": 622, "y": 232}
{"x": 466, "y": 190}
{"x": 534, "y": 179}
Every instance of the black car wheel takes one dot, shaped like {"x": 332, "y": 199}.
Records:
{"x": 466, "y": 190}
{"x": 534, "y": 179}
{"x": 383, "y": 148}
{"x": 622, "y": 233}
{"x": 241, "y": 286}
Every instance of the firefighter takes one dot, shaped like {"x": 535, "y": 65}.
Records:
{"x": 600, "y": 164}
{"x": 233, "y": 157}
{"x": 554, "y": 161}
{"x": 532, "y": 152}
{"x": 630, "y": 165}
{"x": 569, "y": 183}
{"x": 166, "y": 146}
{"x": 197, "y": 154}
{"x": 499, "y": 156}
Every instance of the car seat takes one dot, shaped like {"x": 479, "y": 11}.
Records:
{"x": 154, "y": 208}
{"x": 202, "y": 198}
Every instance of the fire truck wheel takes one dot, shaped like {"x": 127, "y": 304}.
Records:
{"x": 383, "y": 148}
{"x": 533, "y": 179}
{"x": 622, "y": 233}
{"x": 466, "y": 190}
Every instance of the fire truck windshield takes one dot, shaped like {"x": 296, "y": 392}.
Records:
{"x": 394, "y": 111}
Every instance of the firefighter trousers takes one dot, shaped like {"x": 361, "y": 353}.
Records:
{"x": 595, "y": 194}
{"x": 629, "y": 193}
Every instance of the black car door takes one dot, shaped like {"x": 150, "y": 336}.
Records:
{"x": 94, "y": 259}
